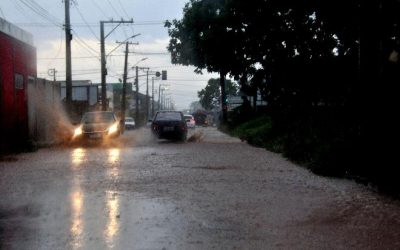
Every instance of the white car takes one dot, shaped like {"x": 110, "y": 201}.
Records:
{"x": 190, "y": 122}
{"x": 129, "y": 123}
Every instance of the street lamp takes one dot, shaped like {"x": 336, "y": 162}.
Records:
{"x": 141, "y": 60}
{"x": 137, "y": 88}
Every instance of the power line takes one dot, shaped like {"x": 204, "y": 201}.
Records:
{"x": 98, "y": 7}
{"x": 187, "y": 80}
{"x": 112, "y": 6}
{"x": 108, "y": 56}
{"x": 58, "y": 51}
{"x": 85, "y": 45}
{"x": 32, "y": 5}
{"x": 126, "y": 14}
{"x": 21, "y": 10}
{"x": 84, "y": 20}
{"x": 80, "y": 25}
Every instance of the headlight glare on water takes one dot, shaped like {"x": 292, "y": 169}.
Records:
{"x": 113, "y": 129}
{"x": 78, "y": 131}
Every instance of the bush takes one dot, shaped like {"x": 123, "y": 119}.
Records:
{"x": 258, "y": 132}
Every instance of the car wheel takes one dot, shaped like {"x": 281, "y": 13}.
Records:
{"x": 183, "y": 138}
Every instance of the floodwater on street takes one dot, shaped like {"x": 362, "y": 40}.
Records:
{"x": 211, "y": 192}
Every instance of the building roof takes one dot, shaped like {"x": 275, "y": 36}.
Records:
{"x": 15, "y": 32}
{"x": 77, "y": 83}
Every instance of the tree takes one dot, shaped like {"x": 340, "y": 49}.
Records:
{"x": 201, "y": 39}
{"x": 211, "y": 94}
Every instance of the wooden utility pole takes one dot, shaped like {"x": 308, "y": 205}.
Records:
{"x": 68, "y": 78}
{"x": 123, "y": 103}
{"x": 137, "y": 96}
{"x": 223, "y": 98}
{"x": 103, "y": 59}
{"x": 152, "y": 96}
{"x": 125, "y": 77}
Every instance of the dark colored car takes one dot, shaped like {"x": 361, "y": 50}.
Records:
{"x": 169, "y": 125}
{"x": 98, "y": 125}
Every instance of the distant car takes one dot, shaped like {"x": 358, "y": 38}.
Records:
{"x": 98, "y": 125}
{"x": 190, "y": 122}
{"x": 169, "y": 124}
{"x": 129, "y": 123}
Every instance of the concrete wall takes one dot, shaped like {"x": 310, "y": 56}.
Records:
{"x": 48, "y": 123}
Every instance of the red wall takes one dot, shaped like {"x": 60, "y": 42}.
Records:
{"x": 15, "y": 57}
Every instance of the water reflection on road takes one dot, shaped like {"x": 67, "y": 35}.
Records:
{"x": 112, "y": 198}
{"x": 77, "y": 199}
{"x": 95, "y": 214}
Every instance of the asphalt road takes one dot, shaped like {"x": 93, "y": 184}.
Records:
{"x": 212, "y": 192}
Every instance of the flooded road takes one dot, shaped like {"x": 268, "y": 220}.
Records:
{"x": 213, "y": 192}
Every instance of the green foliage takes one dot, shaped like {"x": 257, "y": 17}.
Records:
{"x": 322, "y": 66}
{"x": 259, "y": 132}
{"x": 210, "y": 95}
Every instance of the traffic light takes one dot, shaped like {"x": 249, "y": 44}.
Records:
{"x": 164, "y": 75}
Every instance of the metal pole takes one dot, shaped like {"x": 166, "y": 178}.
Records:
{"x": 68, "y": 78}
{"x": 159, "y": 97}
{"x": 103, "y": 69}
{"x": 124, "y": 86}
{"x": 152, "y": 96}
{"x": 103, "y": 60}
{"x": 147, "y": 95}
{"x": 137, "y": 95}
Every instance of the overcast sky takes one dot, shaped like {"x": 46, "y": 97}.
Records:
{"x": 44, "y": 19}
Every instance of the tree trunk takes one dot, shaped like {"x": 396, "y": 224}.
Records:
{"x": 224, "y": 107}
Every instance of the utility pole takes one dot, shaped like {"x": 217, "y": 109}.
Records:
{"x": 152, "y": 96}
{"x": 68, "y": 78}
{"x": 103, "y": 59}
{"x": 125, "y": 77}
{"x": 159, "y": 96}
{"x": 137, "y": 95}
{"x": 123, "y": 104}
{"x": 147, "y": 94}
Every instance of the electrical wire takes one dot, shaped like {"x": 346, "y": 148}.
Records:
{"x": 126, "y": 14}
{"x": 100, "y": 9}
{"x": 58, "y": 51}
{"x": 78, "y": 25}
{"x": 36, "y": 8}
{"x": 84, "y": 20}
{"x": 85, "y": 45}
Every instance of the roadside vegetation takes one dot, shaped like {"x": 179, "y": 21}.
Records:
{"x": 328, "y": 71}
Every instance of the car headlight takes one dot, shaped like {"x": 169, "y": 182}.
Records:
{"x": 113, "y": 128}
{"x": 78, "y": 131}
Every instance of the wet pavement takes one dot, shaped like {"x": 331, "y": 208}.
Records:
{"x": 212, "y": 192}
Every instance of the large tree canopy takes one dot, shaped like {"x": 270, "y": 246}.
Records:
{"x": 324, "y": 67}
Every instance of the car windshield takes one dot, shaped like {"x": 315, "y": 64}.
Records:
{"x": 167, "y": 116}
{"x": 188, "y": 117}
{"x": 129, "y": 119}
{"x": 101, "y": 117}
